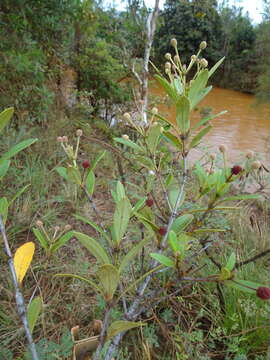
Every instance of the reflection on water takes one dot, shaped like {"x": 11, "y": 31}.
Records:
{"x": 244, "y": 127}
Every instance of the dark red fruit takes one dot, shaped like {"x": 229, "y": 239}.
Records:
{"x": 162, "y": 231}
{"x": 263, "y": 293}
{"x": 236, "y": 169}
{"x": 86, "y": 164}
{"x": 149, "y": 202}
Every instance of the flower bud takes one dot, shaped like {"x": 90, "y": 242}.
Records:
{"x": 65, "y": 139}
{"x": 79, "y": 132}
{"x": 176, "y": 59}
{"x": 213, "y": 156}
{"x": 204, "y": 63}
{"x": 67, "y": 227}
{"x": 174, "y": 42}
{"x": 39, "y": 223}
{"x": 168, "y": 56}
{"x": 193, "y": 58}
{"x": 256, "y": 165}
{"x": 162, "y": 231}
{"x": 86, "y": 164}
{"x": 250, "y": 154}
{"x": 149, "y": 202}
{"x": 56, "y": 228}
{"x": 154, "y": 111}
{"x": 203, "y": 45}
{"x": 168, "y": 65}
{"x": 127, "y": 116}
{"x": 97, "y": 326}
{"x": 125, "y": 136}
{"x": 263, "y": 293}
{"x": 222, "y": 148}
{"x": 236, "y": 169}
{"x": 59, "y": 139}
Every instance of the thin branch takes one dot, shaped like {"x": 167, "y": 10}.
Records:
{"x": 18, "y": 294}
{"x": 254, "y": 258}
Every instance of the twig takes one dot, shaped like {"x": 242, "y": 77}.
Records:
{"x": 18, "y": 294}
{"x": 103, "y": 333}
{"x": 254, "y": 258}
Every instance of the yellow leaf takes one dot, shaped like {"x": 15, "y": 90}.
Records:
{"x": 22, "y": 259}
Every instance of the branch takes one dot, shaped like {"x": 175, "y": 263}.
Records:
{"x": 21, "y": 308}
{"x": 254, "y": 258}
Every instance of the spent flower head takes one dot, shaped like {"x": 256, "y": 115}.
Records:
{"x": 79, "y": 132}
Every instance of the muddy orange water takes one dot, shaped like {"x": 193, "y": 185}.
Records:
{"x": 245, "y": 126}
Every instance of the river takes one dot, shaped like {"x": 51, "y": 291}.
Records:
{"x": 246, "y": 126}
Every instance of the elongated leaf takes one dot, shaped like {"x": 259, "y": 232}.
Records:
{"x": 182, "y": 114}
{"x": 93, "y": 247}
{"x": 121, "y": 218}
{"x": 4, "y": 209}
{"x": 153, "y": 137}
{"x": 62, "y": 171}
{"x": 169, "y": 89}
{"x": 181, "y": 223}
{"x": 148, "y": 223}
{"x": 33, "y": 311}
{"x": 132, "y": 254}
{"x": 17, "y": 148}
{"x": 208, "y": 230}
{"x": 243, "y": 285}
{"x": 164, "y": 260}
{"x": 120, "y": 191}
{"x": 4, "y": 166}
{"x": 19, "y": 193}
{"x": 201, "y": 95}
{"x": 178, "y": 86}
{"x": 139, "y": 204}
{"x": 129, "y": 143}
{"x": 5, "y": 117}
{"x": 197, "y": 138}
{"x": 22, "y": 259}
{"x": 62, "y": 241}
{"x": 89, "y": 282}
{"x": 206, "y": 119}
{"x": 173, "y": 195}
{"x": 94, "y": 225}
{"x": 42, "y": 239}
{"x": 197, "y": 87}
{"x": 109, "y": 278}
{"x": 90, "y": 183}
{"x": 173, "y": 241}
{"x": 241, "y": 197}
{"x": 145, "y": 162}
{"x": 175, "y": 141}
{"x": 216, "y": 66}
{"x": 74, "y": 175}
{"x": 97, "y": 160}
{"x": 231, "y": 262}
{"x": 120, "y": 326}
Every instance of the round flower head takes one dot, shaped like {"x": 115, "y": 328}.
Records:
{"x": 168, "y": 56}
{"x": 127, "y": 116}
{"x": 65, "y": 139}
{"x": 213, "y": 156}
{"x": 39, "y": 223}
{"x": 154, "y": 111}
{"x": 162, "y": 231}
{"x": 193, "y": 58}
{"x": 204, "y": 63}
{"x": 67, "y": 227}
{"x": 86, "y": 164}
{"x": 203, "y": 45}
{"x": 168, "y": 65}
{"x": 256, "y": 165}
{"x": 125, "y": 136}
{"x": 222, "y": 148}
{"x": 236, "y": 169}
{"x": 79, "y": 132}
{"x": 59, "y": 139}
{"x": 176, "y": 59}
{"x": 263, "y": 293}
{"x": 149, "y": 202}
{"x": 174, "y": 42}
{"x": 250, "y": 154}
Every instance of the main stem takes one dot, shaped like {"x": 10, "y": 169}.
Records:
{"x": 18, "y": 294}
{"x": 134, "y": 310}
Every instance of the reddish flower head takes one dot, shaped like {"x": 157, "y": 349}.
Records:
{"x": 149, "y": 202}
{"x": 86, "y": 164}
{"x": 236, "y": 169}
{"x": 162, "y": 231}
{"x": 263, "y": 293}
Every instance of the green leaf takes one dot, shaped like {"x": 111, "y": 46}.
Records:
{"x": 243, "y": 285}
{"x": 62, "y": 241}
{"x": 197, "y": 87}
{"x": 173, "y": 195}
{"x": 120, "y": 326}
{"x": 93, "y": 247}
{"x": 201, "y": 95}
{"x": 17, "y": 148}
{"x": 4, "y": 166}
{"x": 62, "y": 171}
{"x": 182, "y": 114}
{"x": 208, "y": 230}
{"x": 169, "y": 89}
{"x": 206, "y": 119}
{"x": 178, "y": 86}
{"x": 109, "y": 278}
{"x": 197, "y": 138}
{"x": 89, "y": 282}
{"x": 148, "y": 223}
{"x": 74, "y": 175}
{"x": 97, "y": 160}
{"x": 240, "y": 197}
{"x": 145, "y": 162}
{"x": 120, "y": 191}
{"x": 231, "y": 262}
{"x": 173, "y": 241}
{"x": 41, "y": 239}
{"x": 164, "y": 260}
{"x": 121, "y": 218}
{"x": 129, "y": 143}
{"x": 175, "y": 141}
{"x": 214, "y": 68}
{"x": 131, "y": 254}
{"x": 90, "y": 183}
{"x": 139, "y": 204}
{"x": 19, "y": 193}
{"x": 94, "y": 225}
{"x": 181, "y": 223}
{"x": 153, "y": 137}
{"x": 4, "y": 209}
{"x": 225, "y": 274}
{"x": 33, "y": 311}
{"x": 5, "y": 117}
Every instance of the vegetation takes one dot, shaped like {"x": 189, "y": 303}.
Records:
{"x": 114, "y": 230}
